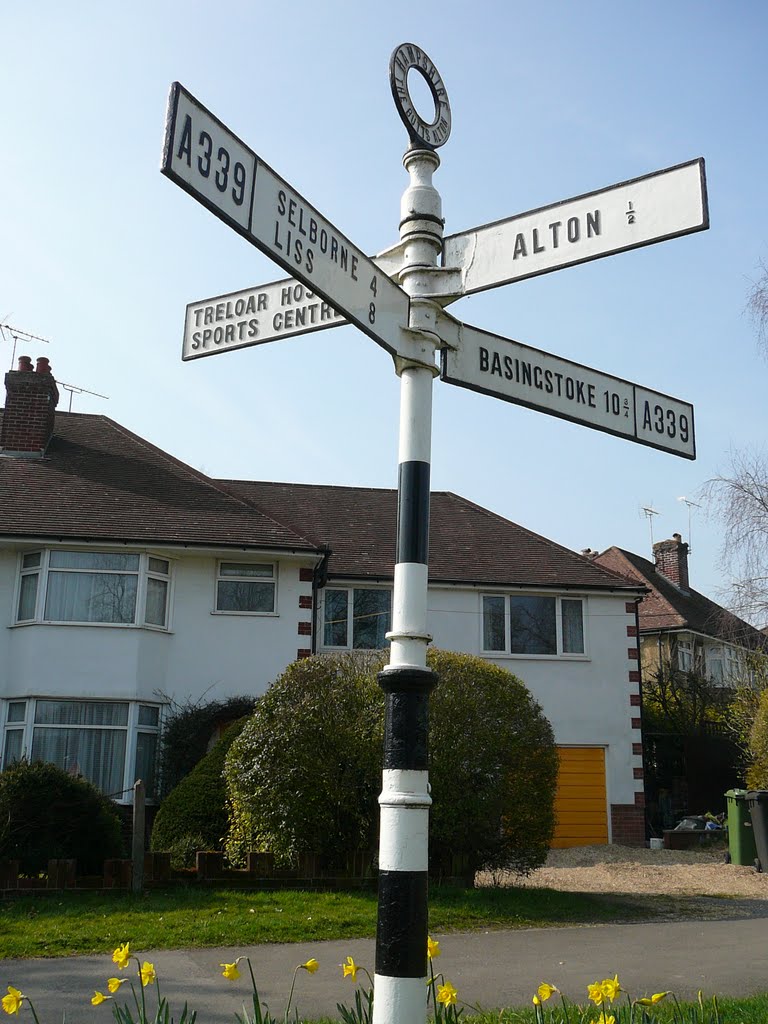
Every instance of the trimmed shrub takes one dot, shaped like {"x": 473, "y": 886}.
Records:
{"x": 305, "y": 774}
{"x": 757, "y": 773}
{"x": 45, "y": 813}
{"x": 187, "y": 733}
{"x": 194, "y": 815}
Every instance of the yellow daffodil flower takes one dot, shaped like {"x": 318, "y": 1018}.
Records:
{"x": 350, "y": 969}
{"x": 536, "y": 1001}
{"x": 230, "y": 971}
{"x": 311, "y": 965}
{"x": 12, "y": 1002}
{"x": 433, "y": 947}
{"x": 545, "y": 991}
{"x": 611, "y": 987}
{"x": 98, "y": 997}
{"x": 605, "y": 1020}
{"x": 655, "y": 998}
{"x": 595, "y": 993}
{"x": 147, "y": 974}
{"x": 446, "y": 994}
{"x": 113, "y": 984}
{"x": 122, "y": 955}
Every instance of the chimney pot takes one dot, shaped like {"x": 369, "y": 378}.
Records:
{"x": 42, "y": 365}
{"x": 25, "y": 364}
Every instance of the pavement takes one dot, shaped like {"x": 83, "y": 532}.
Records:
{"x": 490, "y": 969}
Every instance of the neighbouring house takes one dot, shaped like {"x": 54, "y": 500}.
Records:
{"x": 129, "y": 579}
{"x": 686, "y": 633}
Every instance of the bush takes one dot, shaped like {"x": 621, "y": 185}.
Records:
{"x": 194, "y": 815}
{"x": 187, "y": 735}
{"x": 757, "y": 773}
{"x": 45, "y": 813}
{"x": 305, "y": 774}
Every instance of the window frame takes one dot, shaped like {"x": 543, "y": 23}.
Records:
{"x": 350, "y": 589}
{"x": 219, "y": 578}
{"x": 143, "y": 574}
{"x": 132, "y": 728}
{"x": 559, "y": 653}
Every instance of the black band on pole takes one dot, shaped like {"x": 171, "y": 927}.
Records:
{"x": 401, "y": 950}
{"x": 413, "y": 513}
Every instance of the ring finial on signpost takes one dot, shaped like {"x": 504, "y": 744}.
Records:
{"x": 423, "y": 134}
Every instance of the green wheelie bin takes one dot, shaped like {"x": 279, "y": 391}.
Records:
{"x": 757, "y": 801}
{"x": 741, "y": 835}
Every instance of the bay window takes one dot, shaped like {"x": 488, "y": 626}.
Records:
{"x": 84, "y": 587}
{"x": 532, "y": 625}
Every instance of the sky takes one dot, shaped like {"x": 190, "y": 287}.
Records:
{"x": 101, "y": 253}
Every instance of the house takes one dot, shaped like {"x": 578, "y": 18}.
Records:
{"x": 684, "y": 632}
{"x": 129, "y": 579}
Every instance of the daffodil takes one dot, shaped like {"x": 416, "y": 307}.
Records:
{"x": 350, "y": 969}
{"x": 113, "y": 984}
{"x": 122, "y": 955}
{"x": 433, "y": 947}
{"x": 655, "y": 998}
{"x": 536, "y": 1001}
{"x": 147, "y": 974}
{"x": 98, "y": 997}
{"x": 230, "y": 971}
{"x": 602, "y": 1019}
{"x": 595, "y": 993}
{"x": 611, "y": 987}
{"x": 12, "y": 1002}
{"x": 545, "y": 991}
{"x": 311, "y": 965}
{"x": 446, "y": 994}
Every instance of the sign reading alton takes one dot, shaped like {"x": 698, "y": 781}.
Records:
{"x": 206, "y": 159}
{"x": 517, "y": 373}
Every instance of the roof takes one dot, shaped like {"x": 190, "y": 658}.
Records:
{"x": 667, "y": 607}
{"x": 100, "y": 481}
{"x": 468, "y": 543}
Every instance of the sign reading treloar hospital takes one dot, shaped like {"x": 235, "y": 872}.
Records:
{"x": 206, "y": 159}
{"x": 652, "y": 208}
{"x": 523, "y": 375}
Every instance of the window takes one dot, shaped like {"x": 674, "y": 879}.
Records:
{"x": 115, "y": 588}
{"x": 723, "y": 664}
{"x": 685, "y": 655}
{"x": 110, "y": 743}
{"x": 532, "y": 624}
{"x": 357, "y": 618}
{"x": 247, "y": 588}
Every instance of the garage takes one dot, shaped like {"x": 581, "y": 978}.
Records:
{"x": 581, "y": 807}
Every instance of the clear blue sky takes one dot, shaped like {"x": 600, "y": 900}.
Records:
{"x": 101, "y": 253}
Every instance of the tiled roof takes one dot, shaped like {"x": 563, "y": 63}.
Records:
{"x": 100, "y": 481}
{"x": 666, "y": 607}
{"x": 468, "y": 544}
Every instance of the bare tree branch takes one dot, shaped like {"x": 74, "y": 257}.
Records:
{"x": 757, "y": 307}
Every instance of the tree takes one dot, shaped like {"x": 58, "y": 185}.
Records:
{"x": 757, "y": 306}
{"x": 682, "y": 703}
{"x": 305, "y": 773}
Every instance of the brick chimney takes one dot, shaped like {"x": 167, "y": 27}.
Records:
{"x": 31, "y": 398}
{"x": 671, "y": 560}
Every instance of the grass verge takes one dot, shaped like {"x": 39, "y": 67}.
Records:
{"x": 67, "y": 924}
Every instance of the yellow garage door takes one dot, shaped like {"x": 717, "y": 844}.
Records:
{"x": 581, "y": 811}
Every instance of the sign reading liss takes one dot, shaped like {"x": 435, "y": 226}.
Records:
{"x": 206, "y": 159}
{"x": 649, "y": 209}
{"x": 516, "y": 373}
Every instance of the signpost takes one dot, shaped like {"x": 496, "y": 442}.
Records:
{"x": 526, "y": 376}
{"x": 335, "y": 280}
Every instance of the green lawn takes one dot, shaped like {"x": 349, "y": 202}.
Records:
{"x": 66, "y": 924}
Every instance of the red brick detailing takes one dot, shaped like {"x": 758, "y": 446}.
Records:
{"x": 305, "y": 629}
{"x": 637, "y": 748}
{"x": 634, "y": 676}
{"x": 631, "y": 630}
{"x": 31, "y": 398}
{"x": 634, "y": 700}
{"x": 633, "y": 654}
{"x": 306, "y": 575}
{"x": 303, "y": 652}
{"x": 305, "y": 601}
{"x": 637, "y": 773}
{"x": 630, "y": 607}
{"x": 628, "y": 824}
{"x": 640, "y": 799}
{"x": 637, "y": 723}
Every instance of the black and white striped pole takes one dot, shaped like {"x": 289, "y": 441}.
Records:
{"x": 401, "y": 938}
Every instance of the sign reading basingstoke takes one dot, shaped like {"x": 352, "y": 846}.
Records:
{"x": 204, "y": 157}
{"x": 516, "y": 373}
{"x": 649, "y": 209}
